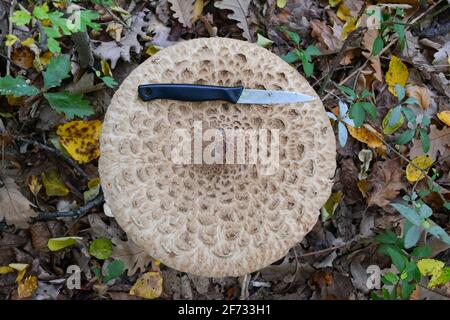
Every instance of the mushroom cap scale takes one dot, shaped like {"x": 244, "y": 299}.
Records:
{"x": 221, "y": 219}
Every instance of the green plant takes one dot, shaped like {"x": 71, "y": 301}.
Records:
{"x": 360, "y": 105}
{"x": 302, "y": 55}
{"x": 112, "y": 271}
{"x": 389, "y": 23}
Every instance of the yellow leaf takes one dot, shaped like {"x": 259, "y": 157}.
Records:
{"x": 444, "y": 116}
{"x": 364, "y": 135}
{"x": 34, "y": 185}
{"x": 428, "y": 267}
{"x": 21, "y": 267}
{"x": 151, "y": 50}
{"x": 149, "y": 286}
{"x": 45, "y": 58}
{"x": 56, "y": 244}
{"x": 423, "y": 162}
{"x": 387, "y": 129}
{"x": 349, "y": 26}
{"x": 6, "y": 269}
{"x": 396, "y": 74}
{"x": 198, "y": 9}
{"x": 54, "y": 186}
{"x": 10, "y": 39}
{"x": 28, "y": 42}
{"x": 281, "y": 3}
{"x": 106, "y": 70}
{"x": 27, "y": 287}
{"x": 81, "y": 139}
{"x": 15, "y": 101}
{"x": 334, "y": 3}
{"x": 330, "y": 206}
{"x": 343, "y": 12}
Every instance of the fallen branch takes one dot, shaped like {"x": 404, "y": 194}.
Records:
{"x": 57, "y": 153}
{"x": 74, "y": 213}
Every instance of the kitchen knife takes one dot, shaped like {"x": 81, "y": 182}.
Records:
{"x": 195, "y": 92}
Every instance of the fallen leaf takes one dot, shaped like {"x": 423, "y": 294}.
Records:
{"x": 34, "y": 185}
{"x": 396, "y": 74}
{"x": 21, "y": 268}
{"x": 27, "y": 288}
{"x": 183, "y": 11}
{"x": 439, "y": 144}
{"x": 133, "y": 256}
{"x": 72, "y": 105}
{"x": 148, "y": 286}
{"x": 239, "y": 13}
{"x": 413, "y": 174}
{"x": 56, "y": 244}
{"x": 390, "y": 129}
{"x": 421, "y": 95}
{"x": 330, "y": 206}
{"x": 15, "y": 208}
{"x": 114, "y": 29}
{"x": 53, "y": 184}
{"x": 364, "y": 135}
{"x": 23, "y": 57}
{"x": 6, "y": 269}
{"x": 81, "y": 139}
{"x": 386, "y": 182}
{"x": 101, "y": 248}
{"x": 365, "y": 156}
{"x": 325, "y": 35}
{"x": 444, "y": 116}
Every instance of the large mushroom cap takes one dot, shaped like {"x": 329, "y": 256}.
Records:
{"x": 215, "y": 220}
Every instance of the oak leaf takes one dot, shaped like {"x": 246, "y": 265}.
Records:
{"x": 386, "y": 182}
{"x": 133, "y": 256}
{"x": 183, "y": 11}
{"x": 239, "y": 13}
{"x": 15, "y": 208}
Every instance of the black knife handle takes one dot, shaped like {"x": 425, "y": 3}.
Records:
{"x": 188, "y": 92}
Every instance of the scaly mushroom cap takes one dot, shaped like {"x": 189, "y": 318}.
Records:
{"x": 215, "y": 220}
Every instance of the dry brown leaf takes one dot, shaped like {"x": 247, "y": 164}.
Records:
{"x": 239, "y": 13}
{"x": 421, "y": 94}
{"x": 325, "y": 35}
{"x": 23, "y": 57}
{"x": 367, "y": 45}
{"x": 439, "y": 144}
{"x": 386, "y": 181}
{"x": 15, "y": 208}
{"x": 183, "y": 11}
{"x": 133, "y": 256}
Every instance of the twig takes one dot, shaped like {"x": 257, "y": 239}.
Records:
{"x": 56, "y": 152}
{"x": 8, "y": 50}
{"x": 74, "y": 213}
{"x": 116, "y": 18}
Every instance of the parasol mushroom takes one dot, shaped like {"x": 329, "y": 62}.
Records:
{"x": 215, "y": 219}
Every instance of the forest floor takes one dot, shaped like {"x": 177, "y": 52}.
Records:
{"x": 382, "y": 65}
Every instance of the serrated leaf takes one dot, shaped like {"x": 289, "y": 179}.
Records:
{"x": 57, "y": 70}
{"x": 56, "y": 244}
{"x": 72, "y": 105}
{"x": 101, "y": 248}
{"x": 428, "y": 267}
{"x": 17, "y": 87}
{"x": 183, "y": 11}
{"x": 21, "y": 18}
{"x": 294, "y": 36}
{"x": 41, "y": 12}
{"x": 239, "y": 13}
{"x": 133, "y": 256}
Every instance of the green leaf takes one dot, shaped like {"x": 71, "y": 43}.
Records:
{"x": 438, "y": 232}
{"x": 390, "y": 129}
{"x": 400, "y": 92}
{"x": 308, "y": 68}
{"x": 387, "y": 237}
{"x": 52, "y": 32}
{"x": 400, "y": 29}
{"x": 408, "y": 213}
{"x": 397, "y": 258}
{"x": 57, "y": 70}
{"x": 440, "y": 278}
{"x": 422, "y": 252}
{"x": 17, "y": 87}
{"x": 425, "y": 211}
{"x": 412, "y": 235}
{"x": 405, "y": 137}
{"x": 101, "y": 248}
{"x": 378, "y": 45}
{"x": 410, "y": 116}
{"x": 425, "y": 121}
{"x": 41, "y": 12}
{"x": 348, "y": 91}
{"x": 56, "y": 244}
{"x": 291, "y": 57}
{"x": 357, "y": 113}
{"x": 395, "y": 116}
{"x": 281, "y": 3}
{"x": 390, "y": 278}
{"x": 424, "y": 139}
{"x": 110, "y": 82}
{"x": 369, "y": 108}
{"x": 407, "y": 289}
{"x": 312, "y": 50}
{"x": 294, "y": 37}
{"x": 263, "y": 41}
{"x": 86, "y": 18}
{"x": 21, "y": 18}
{"x": 366, "y": 93}
{"x": 53, "y": 45}
{"x": 57, "y": 20}
{"x": 114, "y": 270}
{"x": 70, "y": 104}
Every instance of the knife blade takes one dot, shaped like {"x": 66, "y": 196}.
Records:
{"x": 195, "y": 92}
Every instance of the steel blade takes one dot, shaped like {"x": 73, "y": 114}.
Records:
{"x": 255, "y": 96}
